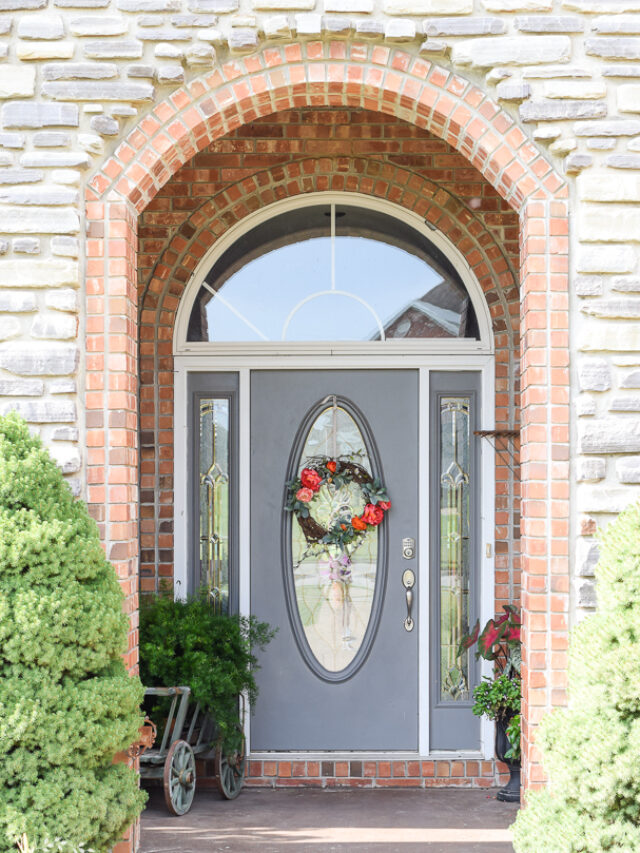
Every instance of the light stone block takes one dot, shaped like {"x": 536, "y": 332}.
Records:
{"x": 588, "y": 551}
{"x": 602, "y": 499}
{"x": 600, "y": 143}
{"x": 41, "y": 27}
{"x": 14, "y": 5}
{"x": 35, "y": 358}
{"x": 628, "y": 469}
{"x": 553, "y": 71}
{"x": 609, "y": 224}
{"x": 26, "y": 246}
{"x": 34, "y": 115}
{"x": 39, "y": 273}
{"x": 549, "y": 24}
{"x": 63, "y": 386}
{"x": 604, "y": 186}
{"x": 308, "y": 24}
{"x": 32, "y": 51}
{"x": 79, "y": 71}
{"x": 39, "y": 195}
{"x": 550, "y": 110}
{"x": 89, "y": 90}
{"x": 628, "y": 98}
{"x": 400, "y": 30}
{"x": 277, "y": 26}
{"x": 586, "y": 595}
{"x": 170, "y": 73}
{"x": 425, "y": 8}
{"x": 67, "y": 459}
{"x": 66, "y": 246}
{"x": 38, "y": 220}
{"x": 616, "y": 25}
{"x": 575, "y": 163}
{"x": 513, "y": 91}
{"x": 464, "y": 27}
{"x": 162, "y": 34}
{"x": 613, "y": 48}
{"x": 98, "y": 25}
{"x": 613, "y": 337}
{"x": 16, "y": 82}
{"x": 43, "y": 411}
{"x": 588, "y": 285}
{"x": 21, "y": 387}
{"x": 201, "y": 54}
{"x": 585, "y": 406}
{"x": 217, "y": 7}
{"x": 54, "y": 327}
{"x": 594, "y": 374}
{"x": 590, "y": 470}
{"x": 511, "y": 50}
{"x": 606, "y": 259}
{"x": 165, "y": 50}
{"x": 149, "y": 5}
{"x": 625, "y": 284}
{"x": 243, "y": 40}
{"x": 65, "y": 433}
{"x": 9, "y": 328}
{"x": 12, "y": 140}
{"x": 105, "y": 125}
{"x": 631, "y": 380}
{"x": 67, "y": 177}
{"x": 609, "y": 127}
{"x": 125, "y": 49}
{"x": 283, "y": 5}
{"x": 51, "y": 139}
{"x": 602, "y": 6}
{"x": 625, "y": 404}
{"x": 17, "y": 303}
{"x": 575, "y": 89}
{"x": 63, "y": 300}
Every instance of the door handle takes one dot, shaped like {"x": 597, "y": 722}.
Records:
{"x": 408, "y": 582}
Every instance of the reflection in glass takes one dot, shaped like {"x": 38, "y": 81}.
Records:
{"x": 214, "y": 500}
{"x": 334, "y": 588}
{"x": 292, "y": 279}
{"x": 454, "y": 546}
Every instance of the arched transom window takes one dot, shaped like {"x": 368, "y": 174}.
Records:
{"x": 332, "y": 272}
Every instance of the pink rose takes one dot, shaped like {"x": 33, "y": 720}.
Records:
{"x": 385, "y": 505}
{"x": 304, "y": 494}
{"x": 373, "y": 514}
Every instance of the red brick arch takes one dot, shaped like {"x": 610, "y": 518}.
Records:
{"x": 396, "y": 83}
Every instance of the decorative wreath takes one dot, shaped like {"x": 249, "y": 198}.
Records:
{"x": 347, "y": 529}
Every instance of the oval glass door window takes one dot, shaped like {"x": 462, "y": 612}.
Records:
{"x": 335, "y": 589}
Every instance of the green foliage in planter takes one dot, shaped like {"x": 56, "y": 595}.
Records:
{"x": 514, "y": 733}
{"x": 497, "y": 698}
{"x": 187, "y": 643}
{"x": 591, "y": 750}
{"x": 67, "y": 704}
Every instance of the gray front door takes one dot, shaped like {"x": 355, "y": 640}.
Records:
{"x": 342, "y": 671}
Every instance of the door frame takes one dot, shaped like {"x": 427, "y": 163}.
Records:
{"x": 424, "y": 363}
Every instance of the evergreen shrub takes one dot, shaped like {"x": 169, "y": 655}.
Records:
{"x": 591, "y": 750}
{"x": 67, "y": 704}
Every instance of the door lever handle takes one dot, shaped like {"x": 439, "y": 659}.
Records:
{"x": 408, "y": 581}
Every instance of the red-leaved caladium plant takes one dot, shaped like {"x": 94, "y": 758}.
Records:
{"x": 499, "y": 640}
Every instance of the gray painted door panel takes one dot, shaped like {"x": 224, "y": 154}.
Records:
{"x": 377, "y": 708}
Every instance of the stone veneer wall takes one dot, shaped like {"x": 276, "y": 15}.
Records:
{"x": 78, "y": 76}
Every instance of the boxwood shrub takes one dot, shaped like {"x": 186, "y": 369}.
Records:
{"x": 67, "y": 704}
{"x": 591, "y": 750}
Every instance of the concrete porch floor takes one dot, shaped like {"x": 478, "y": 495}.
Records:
{"x": 332, "y": 821}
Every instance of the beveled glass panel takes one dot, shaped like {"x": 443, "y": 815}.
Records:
{"x": 214, "y": 500}
{"x": 454, "y": 546}
{"x": 334, "y": 589}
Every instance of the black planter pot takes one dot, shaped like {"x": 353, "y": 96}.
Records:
{"x": 511, "y": 791}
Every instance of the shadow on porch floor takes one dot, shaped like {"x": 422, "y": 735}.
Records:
{"x": 337, "y": 821}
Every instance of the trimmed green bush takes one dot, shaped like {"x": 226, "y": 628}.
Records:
{"x": 591, "y": 750}
{"x": 67, "y": 704}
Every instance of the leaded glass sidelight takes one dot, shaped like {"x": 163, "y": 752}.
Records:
{"x": 214, "y": 500}
{"x": 334, "y": 588}
{"x": 454, "y": 546}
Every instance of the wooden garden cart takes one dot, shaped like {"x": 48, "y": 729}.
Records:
{"x": 189, "y": 733}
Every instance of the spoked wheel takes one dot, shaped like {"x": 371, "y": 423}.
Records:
{"x": 179, "y": 777}
{"x": 230, "y": 769}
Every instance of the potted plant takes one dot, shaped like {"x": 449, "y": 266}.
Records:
{"x": 499, "y": 698}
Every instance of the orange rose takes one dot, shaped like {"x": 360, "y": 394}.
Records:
{"x": 331, "y": 466}
{"x": 358, "y": 524}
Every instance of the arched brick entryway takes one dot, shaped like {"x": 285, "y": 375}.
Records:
{"x": 395, "y": 83}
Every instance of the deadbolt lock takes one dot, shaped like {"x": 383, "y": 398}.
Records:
{"x": 408, "y": 548}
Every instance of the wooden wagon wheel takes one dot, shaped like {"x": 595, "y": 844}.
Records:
{"x": 179, "y": 777}
{"x": 230, "y": 769}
